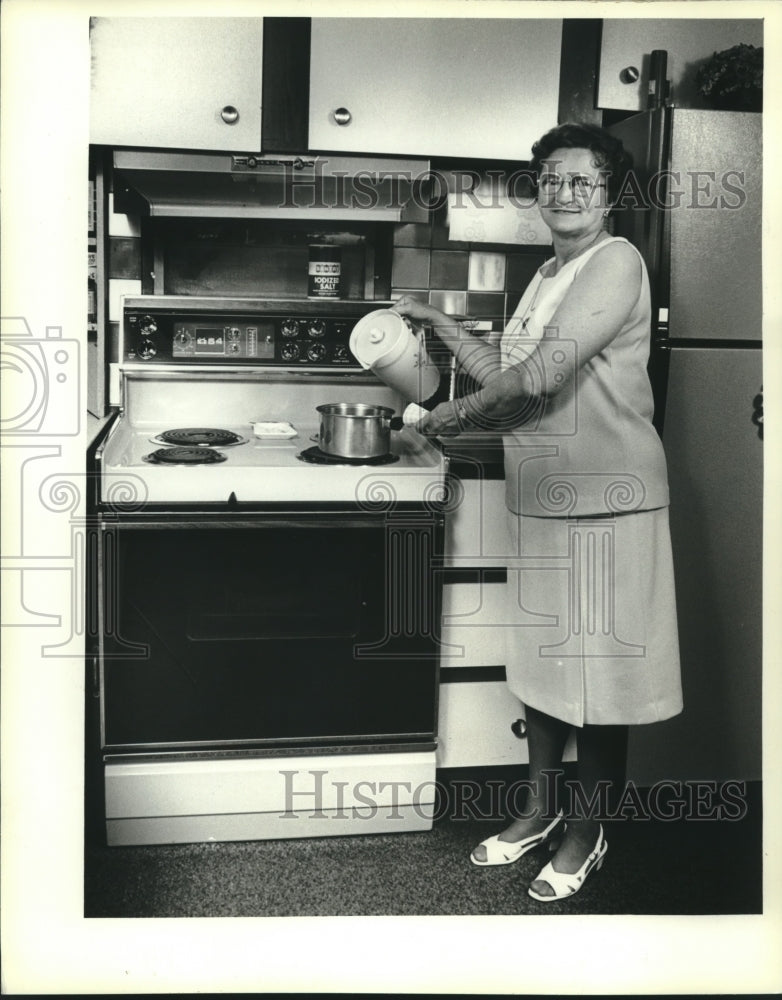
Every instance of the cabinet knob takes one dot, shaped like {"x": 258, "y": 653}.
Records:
{"x": 229, "y": 114}
{"x": 629, "y": 74}
{"x": 342, "y": 116}
{"x": 519, "y": 729}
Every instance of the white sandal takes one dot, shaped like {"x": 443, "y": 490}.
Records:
{"x": 503, "y": 852}
{"x": 565, "y": 884}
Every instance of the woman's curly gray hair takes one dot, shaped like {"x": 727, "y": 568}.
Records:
{"x": 608, "y": 153}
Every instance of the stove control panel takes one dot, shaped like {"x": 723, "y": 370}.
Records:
{"x": 292, "y": 339}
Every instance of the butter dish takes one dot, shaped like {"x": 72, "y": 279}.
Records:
{"x": 273, "y": 429}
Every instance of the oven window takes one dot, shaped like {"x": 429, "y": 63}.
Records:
{"x": 264, "y": 589}
{"x": 223, "y": 585}
{"x": 255, "y": 634}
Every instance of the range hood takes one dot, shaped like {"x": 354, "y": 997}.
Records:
{"x": 264, "y": 186}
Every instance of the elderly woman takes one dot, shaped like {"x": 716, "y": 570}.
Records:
{"x": 593, "y": 645}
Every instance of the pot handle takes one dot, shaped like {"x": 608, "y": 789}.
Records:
{"x": 395, "y": 424}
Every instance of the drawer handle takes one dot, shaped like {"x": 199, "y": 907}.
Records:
{"x": 342, "y": 116}
{"x": 629, "y": 74}
{"x": 229, "y": 114}
{"x": 519, "y": 729}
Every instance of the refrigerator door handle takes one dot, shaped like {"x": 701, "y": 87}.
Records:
{"x": 757, "y": 412}
{"x": 662, "y": 323}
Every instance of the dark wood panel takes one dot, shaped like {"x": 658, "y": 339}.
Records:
{"x": 286, "y": 84}
{"x": 580, "y": 60}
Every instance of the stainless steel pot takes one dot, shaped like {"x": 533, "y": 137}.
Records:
{"x": 355, "y": 430}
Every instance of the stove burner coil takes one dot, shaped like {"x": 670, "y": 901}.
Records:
{"x": 317, "y": 457}
{"x": 185, "y": 456}
{"x": 202, "y": 437}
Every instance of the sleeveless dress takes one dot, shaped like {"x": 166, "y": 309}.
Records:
{"x": 593, "y": 633}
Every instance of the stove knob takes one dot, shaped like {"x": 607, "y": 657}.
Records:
{"x": 316, "y": 352}
{"x": 290, "y": 328}
{"x": 317, "y": 328}
{"x": 289, "y": 352}
{"x": 147, "y": 350}
{"x": 148, "y": 326}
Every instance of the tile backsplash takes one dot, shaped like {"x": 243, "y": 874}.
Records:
{"x": 483, "y": 281}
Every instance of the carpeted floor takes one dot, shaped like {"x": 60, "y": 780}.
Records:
{"x": 652, "y": 867}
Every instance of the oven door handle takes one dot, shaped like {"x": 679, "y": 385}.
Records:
{"x": 248, "y": 520}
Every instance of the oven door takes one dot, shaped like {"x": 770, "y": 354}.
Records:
{"x": 270, "y": 631}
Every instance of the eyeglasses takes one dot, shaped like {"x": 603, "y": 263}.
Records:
{"x": 581, "y": 185}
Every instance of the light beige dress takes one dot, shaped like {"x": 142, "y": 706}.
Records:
{"x": 590, "y": 573}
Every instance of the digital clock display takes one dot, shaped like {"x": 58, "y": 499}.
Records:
{"x": 209, "y": 341}
{"x": 238, "y": 340}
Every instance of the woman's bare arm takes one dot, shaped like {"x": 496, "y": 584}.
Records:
{"x": 590, "y": 316}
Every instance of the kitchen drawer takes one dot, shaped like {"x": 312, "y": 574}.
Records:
{"x": 475, "y": 721}
{"x": 474, "y": 623}
{"x": 475, "y": 531}
{"x": 261, "y": 798}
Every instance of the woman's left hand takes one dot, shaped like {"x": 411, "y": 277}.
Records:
{"x": 442, "y": 421}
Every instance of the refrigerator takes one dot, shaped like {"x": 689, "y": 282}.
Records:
{"x": 701, "y": 237}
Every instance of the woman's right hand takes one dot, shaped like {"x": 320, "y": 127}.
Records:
{"x": 414, "y": 309}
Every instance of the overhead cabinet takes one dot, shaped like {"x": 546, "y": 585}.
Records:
{"x": 422, "y": 86}
{"x": 177, "y": 82}
{"x": 627, "y": 44}
{"x": 433, "y": 86}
